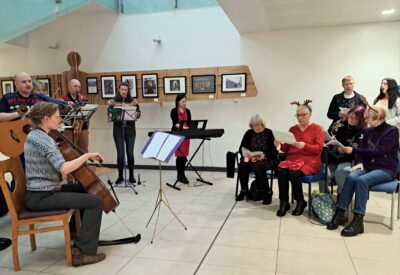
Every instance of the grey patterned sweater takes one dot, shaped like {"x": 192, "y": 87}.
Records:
{"x": 43, "y": 162}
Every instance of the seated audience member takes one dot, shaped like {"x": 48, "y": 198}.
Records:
{"x": 346, "y": 99}
{"x": 348, "y": 133}
{"x": 257, "y": 138}
{"x": 45, "y": 166}
{"x": 388, "y": 99}
{"x": 379, "y": 161}
{"x": 303, "y": 158}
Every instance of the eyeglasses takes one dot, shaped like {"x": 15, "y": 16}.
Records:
{"x": 301, "y": 115}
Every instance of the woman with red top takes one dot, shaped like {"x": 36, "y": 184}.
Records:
{"x": 302, "y": 159}
{"x": 178, "y": 114}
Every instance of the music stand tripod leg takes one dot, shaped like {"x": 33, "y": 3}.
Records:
{"x": 160, "y": 199}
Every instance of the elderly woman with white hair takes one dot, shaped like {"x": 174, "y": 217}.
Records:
{"x": 257, "y": 139}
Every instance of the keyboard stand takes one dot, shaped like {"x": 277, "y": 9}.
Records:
{"x": 194, "y": 169}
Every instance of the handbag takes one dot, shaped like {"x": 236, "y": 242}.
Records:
{"x": 323, "y": 206}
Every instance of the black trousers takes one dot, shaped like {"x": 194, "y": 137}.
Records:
{"x": 180, "y": 166}
{"x": 91, "y": 207}
{"x": 124, "y": 137}
{"x": 259, "y": 168}
{"x": 296, "y": 178}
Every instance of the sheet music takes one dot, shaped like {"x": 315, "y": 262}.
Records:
{"x": 335, "y": 143}
{"x": 284, "y": 137}
{"x": 157, "y": 141}
{"x": 166, "y": 149}
{"x": 247, "y": 153}
{"x": 89, "y": 107}
{"x": 161, "y": 146}
{"x": 327, "y": 136}
{"x": 344, "y": 110}
{"x": 130, "y": 112}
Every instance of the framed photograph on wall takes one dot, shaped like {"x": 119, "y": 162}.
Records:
{"x": 131, "y": 80}
{"x": 174, "y": 85}
{"x": 46, "y": 85}
{"x": 203, "y": 84}
{"x": 91, "y": 83}
{"x": 233, "y": 83}
{"x": 149, "y": 85}
{"x": 108, "y": 86}
{"x": 7, "y": 87}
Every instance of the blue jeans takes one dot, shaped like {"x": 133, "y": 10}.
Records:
{"x": 340, "y": 171}
{"x": 359, "y": 182}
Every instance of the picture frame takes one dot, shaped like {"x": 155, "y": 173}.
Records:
{"x": 131, "y": 80}
{"x": 7, "y": 87}
{"x": 91, "y": 83}
{"x": 149, "y": 85}
{"x": 233, "y": 83}
{"x": 174, "y": 85}
{"x": 46, "y": 85}
{"x": 108, "y": 89}
{"x": 203, "y": 84}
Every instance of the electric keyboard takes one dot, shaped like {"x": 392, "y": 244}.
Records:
{"x": 193, "y": 134}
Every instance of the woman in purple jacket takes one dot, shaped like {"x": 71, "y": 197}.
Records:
{"x": 379, "y": 161}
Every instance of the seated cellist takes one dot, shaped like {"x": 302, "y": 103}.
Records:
{"x": 45, "y": 166}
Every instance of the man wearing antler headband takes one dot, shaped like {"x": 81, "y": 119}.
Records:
{"x": 344, "y": 101}
{"x": 302, "y": 158}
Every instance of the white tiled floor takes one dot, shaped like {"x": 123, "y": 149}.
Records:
{"x": 249, "y": 238}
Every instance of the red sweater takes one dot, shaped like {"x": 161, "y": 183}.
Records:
{"x": 313, "y": 136}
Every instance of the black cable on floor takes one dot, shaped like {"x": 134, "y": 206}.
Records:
{"x": 216, "y": 236}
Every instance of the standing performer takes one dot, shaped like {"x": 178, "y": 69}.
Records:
{"x": 79, "y": 136}
{"x": 124, "y": 131}
{"x": 45, "y": 165}
{"x": 179, "y": 113}
{"x": 388, "y": 98}
{"x": 346, "y": 99}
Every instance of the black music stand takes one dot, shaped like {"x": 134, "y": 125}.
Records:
{"x": 128, "y": 113}
{"x": 192, "y": 125}
{"x": 161, "y": 146}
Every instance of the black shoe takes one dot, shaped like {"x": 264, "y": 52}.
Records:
{"x": 119, "y": 180}
{"x": 242, "y": 195}
{"x": 300, "y": 206}
{"x": 183, "y": 179}
{"x": 283, "y": 207}
{"x": 268, "y": 198}
{"x": 132, "y": 180}
{"x": 355, "y": 227}
{"x": 337, "y": 219}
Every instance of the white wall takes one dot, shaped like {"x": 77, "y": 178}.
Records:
{"x": 310, "y": 63}
{"x": 286, "y": 65}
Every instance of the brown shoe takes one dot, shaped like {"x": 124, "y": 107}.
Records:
{"x": 79, "y": 258}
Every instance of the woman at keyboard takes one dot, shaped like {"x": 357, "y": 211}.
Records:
{"x": 178, "y": 114}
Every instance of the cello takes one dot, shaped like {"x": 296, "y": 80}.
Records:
{"x": 84, "y": 175}
{"x": 92, "y": 184}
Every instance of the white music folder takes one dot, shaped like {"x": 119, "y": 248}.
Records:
{"x": 161, "y": 146}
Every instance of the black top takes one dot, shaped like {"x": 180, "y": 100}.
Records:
{"x": 174, "y": 117}
{"x": 348, "y": 136}
{"x": 339, "y": 100}
{"x": 263, "y": 141}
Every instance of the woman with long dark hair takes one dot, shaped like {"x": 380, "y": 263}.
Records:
{"x": 178, "y": 114}
{"x": 388, "y": 98}
{"x": 124, "y": 132}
